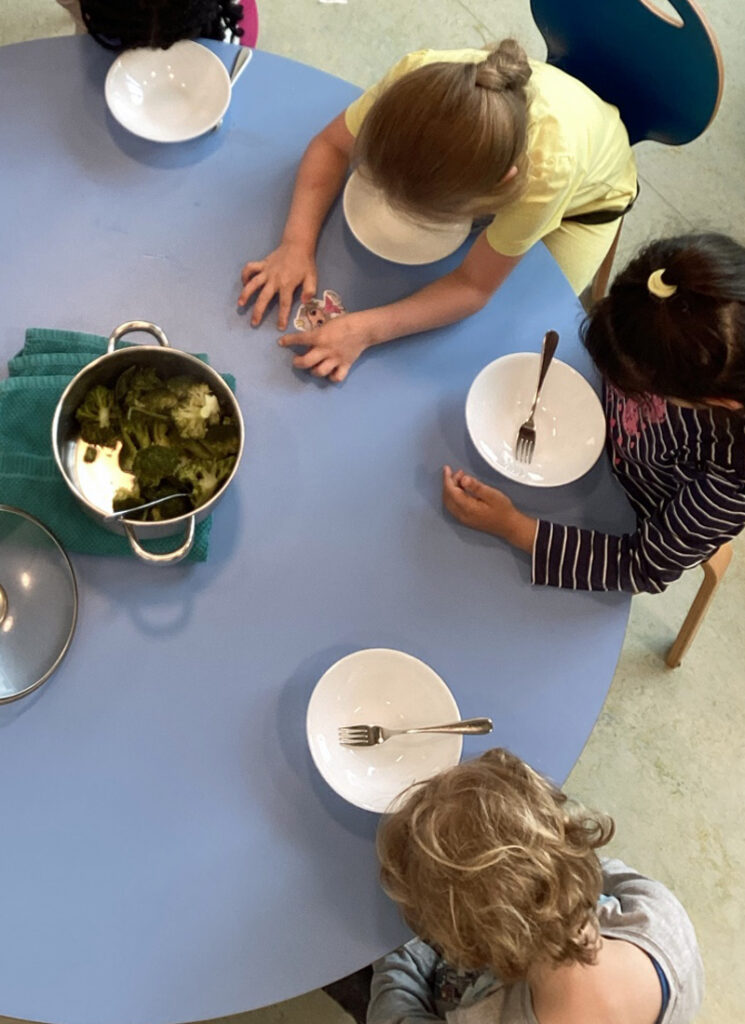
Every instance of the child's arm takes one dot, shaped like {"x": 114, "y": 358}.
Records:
{"x": 319, "y": 180}
{"x": 485, "y": 508}
{"x": 331, "y": 349}
{"x": 401, "y": 987}
{"x": 684, "y": 532}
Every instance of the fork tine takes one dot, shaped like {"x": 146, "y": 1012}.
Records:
{"x": 525, "y": 445}
{"x": 353, "y": 731}
{"x": 355, "y": 737}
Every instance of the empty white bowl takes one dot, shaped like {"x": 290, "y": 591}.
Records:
{"x": 379, "y": 686}
{"x": 168, "y": 95}
{"x": 569, "y": 420}
{"x": 392, "y": 235}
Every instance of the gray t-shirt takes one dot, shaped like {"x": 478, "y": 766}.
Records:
{"x": 413, "y": 985}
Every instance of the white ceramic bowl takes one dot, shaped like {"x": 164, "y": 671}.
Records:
{"x": 569, "y": 420}
{"x": 380, "y": 687}
{"x": 168, "y": 95}
{"x": 390, "y": 234}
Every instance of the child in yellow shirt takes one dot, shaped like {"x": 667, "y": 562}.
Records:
{"x": 447, "y": 135}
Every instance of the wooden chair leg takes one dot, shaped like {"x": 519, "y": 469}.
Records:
{"x": 600, "y": 281}
{"x": 714, "y": 570}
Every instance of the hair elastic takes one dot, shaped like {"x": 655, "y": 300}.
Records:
{"x": 658, "y": 287}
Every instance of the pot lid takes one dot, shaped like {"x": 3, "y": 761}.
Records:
{"x": 38, "y": 603}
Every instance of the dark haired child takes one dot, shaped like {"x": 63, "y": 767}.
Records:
{"x": 453, "y": 135}
{"x": 669, "y": 340}
{"x": 126, "y": 24}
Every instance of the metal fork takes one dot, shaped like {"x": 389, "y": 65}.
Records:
{"x": 525, "y": 444}
{"x": 370, "y": 735}
{"x": 242, "y": 58}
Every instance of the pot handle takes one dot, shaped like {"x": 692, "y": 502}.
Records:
{"x": 137, "y": 325}
{"x": 170, "y": 557}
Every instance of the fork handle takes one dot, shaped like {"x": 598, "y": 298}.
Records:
{"x": 550, "y": 341}
{"x": 242, "y": 58}
{"x": 468, "y": 727}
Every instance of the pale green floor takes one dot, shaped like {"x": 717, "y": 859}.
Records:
{"x": 667, "y": 757}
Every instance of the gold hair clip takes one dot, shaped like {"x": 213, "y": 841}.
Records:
{"x": 658, "y": 287}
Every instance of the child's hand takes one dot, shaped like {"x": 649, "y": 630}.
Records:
{"x": 485, "y": 508}
{"x": 279, "y": 274}
{"x": 332, "y": 348}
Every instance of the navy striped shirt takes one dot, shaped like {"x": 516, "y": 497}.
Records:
{"x": 683, "y": 471}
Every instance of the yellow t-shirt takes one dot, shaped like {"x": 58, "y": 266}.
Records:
{"x": 579, "y": 157}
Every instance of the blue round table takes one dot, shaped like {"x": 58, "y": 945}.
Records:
{"x": 168, "y": 851}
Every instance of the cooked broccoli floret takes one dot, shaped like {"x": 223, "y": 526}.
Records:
{"x": 154, "y": 464}
{"x": 198, "y": 409}
{"x": 203, "y": 476}
{"x": 163, "y": 433}
{"x": 126, "y": 497}
{"x": 160, "y": 400}
{"x": 135, "y": 383}
{"x": 139, "y": 428}
{"x": 128, "y": 450}
{"x": 169, "y": 509}
{"x": 156, "y": 403}
{"x": 222, "y": 439}
{"x": 173, "y": 438}
{"x": 181, "y": 386}
{"x": 98, "y": 416}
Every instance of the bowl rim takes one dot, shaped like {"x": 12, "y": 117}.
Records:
{"x": 534, "y": 357}
{"x": 119, "y": 62}
{"x": 349, "y": 190}
{"x": 443, "y": 686}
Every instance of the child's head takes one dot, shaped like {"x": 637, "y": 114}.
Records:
{"x": 442, "y": 140}
{"x": 673, "y": 323}
{"x": 124, "y": 24}
{"x": 490, "y": 863}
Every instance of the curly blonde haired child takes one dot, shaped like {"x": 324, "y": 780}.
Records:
{"x": 520, "y": 921}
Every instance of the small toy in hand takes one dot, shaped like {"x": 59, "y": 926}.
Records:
{"x": 317, "y": 312}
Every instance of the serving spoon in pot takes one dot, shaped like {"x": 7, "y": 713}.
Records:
{"x": 122, "y": 513}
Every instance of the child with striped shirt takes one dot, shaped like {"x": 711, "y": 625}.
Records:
{"x": 669, "y": 340}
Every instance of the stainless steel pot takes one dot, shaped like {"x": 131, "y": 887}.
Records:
{"x": 95, "y": 483}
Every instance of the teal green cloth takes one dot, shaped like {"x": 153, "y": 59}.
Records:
{"x": 29, "y": 478}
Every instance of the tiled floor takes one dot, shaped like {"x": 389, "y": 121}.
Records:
{"x": 667, "y": 757}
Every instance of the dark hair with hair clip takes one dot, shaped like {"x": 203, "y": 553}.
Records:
{"x": 688, "y": 344}
{"x": 125, "y": 24}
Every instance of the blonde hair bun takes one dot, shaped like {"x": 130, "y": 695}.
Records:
{"x": 505, "y": 68}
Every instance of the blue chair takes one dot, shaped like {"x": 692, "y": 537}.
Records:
{"x": 665, "y": 75}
